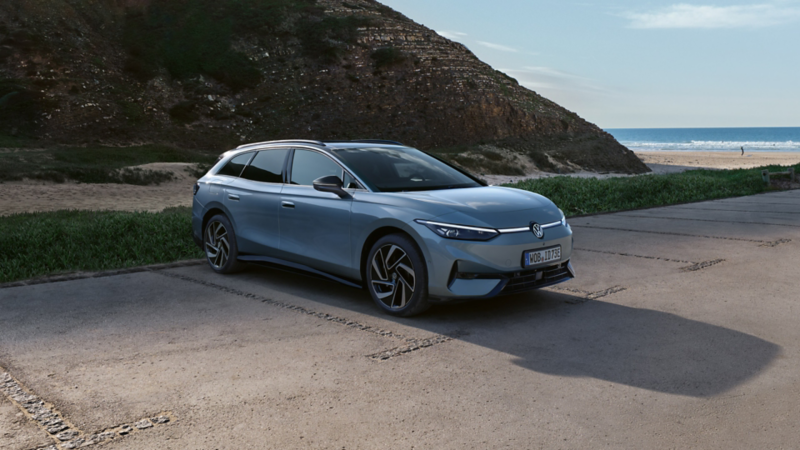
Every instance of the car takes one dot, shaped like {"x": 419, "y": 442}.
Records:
{"x": 407, "y": 226}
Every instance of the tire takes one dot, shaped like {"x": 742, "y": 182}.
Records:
{"x": 219, "y": 243}
{"x": 397, "y": 277}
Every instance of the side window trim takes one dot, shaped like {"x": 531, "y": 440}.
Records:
{"x": 287, "y": 167}
{"x": 360, "y": 186}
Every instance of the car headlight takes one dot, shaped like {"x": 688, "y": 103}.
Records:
{"x": 563, "y": 218}
{"x": 460, "y": 232}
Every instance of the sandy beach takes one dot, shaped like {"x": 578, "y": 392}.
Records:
{"x": 677, "y": 161}
{"x": 32, "y": 196}
{"x": 662, "y": 162}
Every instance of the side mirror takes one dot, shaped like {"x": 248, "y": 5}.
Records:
{"x": 332, "y": 184}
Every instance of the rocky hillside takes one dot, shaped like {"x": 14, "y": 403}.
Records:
{"x": 216, "y": 73}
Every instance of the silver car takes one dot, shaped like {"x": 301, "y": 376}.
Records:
{"x": 409, "y": 227}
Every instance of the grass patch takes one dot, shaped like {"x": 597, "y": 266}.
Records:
{"x": 97, "y": 164}
{"x": 39, "y": 244}
{"x": 576, "y": 196}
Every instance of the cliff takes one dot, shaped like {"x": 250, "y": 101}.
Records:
{"x": 215, "y": 74}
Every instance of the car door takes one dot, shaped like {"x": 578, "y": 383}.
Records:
{"x": 227, "y": 189}
{"x": 315, "y": 226}
{"x": 257, "y": 193}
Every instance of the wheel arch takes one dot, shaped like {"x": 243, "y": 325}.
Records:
{"x": 211, "y": 213}
{"x": 376, "y": 235}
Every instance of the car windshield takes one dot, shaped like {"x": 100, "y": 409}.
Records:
{"x": 398, "y": 169}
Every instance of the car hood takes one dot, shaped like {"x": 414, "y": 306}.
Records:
{"x": 492, "y": 206}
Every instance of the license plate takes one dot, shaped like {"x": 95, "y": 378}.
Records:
{"x": 534, "y": 257}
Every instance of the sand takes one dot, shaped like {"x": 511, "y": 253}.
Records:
{"x": 32, "y": 196}
{"x": 674, "y": 161}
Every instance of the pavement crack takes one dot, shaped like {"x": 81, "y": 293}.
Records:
{"x": 585, "y": 296}
{"x": 635, "y": 256}
{"x": 65, "y": 435}
{"x": 733, "y": 210}
{"x": 413, "y": 344}
{"x": 775, "y": 243}
{"x": 701, "y": 265}
{"x": 710, "y": 220}
{"x": 668, "y": 233}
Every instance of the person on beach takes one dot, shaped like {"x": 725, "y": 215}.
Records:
{"x": 742, "y": 150}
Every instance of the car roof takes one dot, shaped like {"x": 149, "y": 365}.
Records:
{"x": 320, "y": 145}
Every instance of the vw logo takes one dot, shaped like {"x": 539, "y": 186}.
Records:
{"x": 537, "y": 230}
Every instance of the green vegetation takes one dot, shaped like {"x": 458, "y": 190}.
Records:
{"x": 38, "y": 244}
{"x": 326, "y": 39}
{"x": 578, "y": 196}
{"x": 96, "y": 164}
{"x": 388, "y": 56}
{"x": 194, "y": 37}
{"x": 20, "y": 107}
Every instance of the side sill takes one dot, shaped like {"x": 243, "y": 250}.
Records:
{"x": 294, "y": 267}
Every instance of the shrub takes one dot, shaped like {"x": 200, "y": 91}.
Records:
{"x": 388, "y": 56}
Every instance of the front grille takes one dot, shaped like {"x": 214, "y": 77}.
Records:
{"x": 524, "y": 281}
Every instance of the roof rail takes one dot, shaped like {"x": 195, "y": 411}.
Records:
{"x": 376, "y": 141}
{"x": 288, "y": 141}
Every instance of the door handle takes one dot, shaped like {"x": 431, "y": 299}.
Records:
{"x": 287, "y": 204}
{"x": 233, "y": 197}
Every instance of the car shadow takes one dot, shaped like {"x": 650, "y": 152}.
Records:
{"x": 564, "y": 335}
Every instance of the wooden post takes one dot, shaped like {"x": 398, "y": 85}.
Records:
{"x": 791, "y": 174}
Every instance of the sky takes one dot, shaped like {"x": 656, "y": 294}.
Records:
{"x": 638, "y": 64}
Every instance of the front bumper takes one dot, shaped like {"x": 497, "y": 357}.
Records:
{"x": 480, "y": 285}
{"x": 475, "y": 269}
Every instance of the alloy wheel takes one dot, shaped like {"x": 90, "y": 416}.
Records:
{"x": 392, "y": 276}
{"x": 217, "y": 247}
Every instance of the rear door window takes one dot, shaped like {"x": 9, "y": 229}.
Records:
{"x": 267, "y": 166}
{"x": 235, "y": 166}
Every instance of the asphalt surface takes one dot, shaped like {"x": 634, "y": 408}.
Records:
{"x": 681, "y": 331}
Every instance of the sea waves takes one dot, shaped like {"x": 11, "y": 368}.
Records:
{"x": 715, "y": 146}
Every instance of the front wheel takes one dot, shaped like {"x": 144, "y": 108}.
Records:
{"x": 397, "y": 277}
{"x": 219, "y": 243}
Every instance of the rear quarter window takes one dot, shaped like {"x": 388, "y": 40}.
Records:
{"x": 267, "y": 166}
{"x": 235, "y": 166}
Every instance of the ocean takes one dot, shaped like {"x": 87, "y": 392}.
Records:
{"x": 709, "y": 139}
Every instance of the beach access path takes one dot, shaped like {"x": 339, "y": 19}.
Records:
{"x": 682, "y": 330}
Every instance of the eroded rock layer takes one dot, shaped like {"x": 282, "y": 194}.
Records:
{"x": 215, "y": 74}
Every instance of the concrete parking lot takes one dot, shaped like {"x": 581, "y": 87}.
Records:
{"x": 681, "y": 331}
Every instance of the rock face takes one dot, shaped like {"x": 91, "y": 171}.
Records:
{"x": 205, "y": 73}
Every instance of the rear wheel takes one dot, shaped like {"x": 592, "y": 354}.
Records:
{"x": 397, "y": 277}
{"x": 219, "y": 243}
